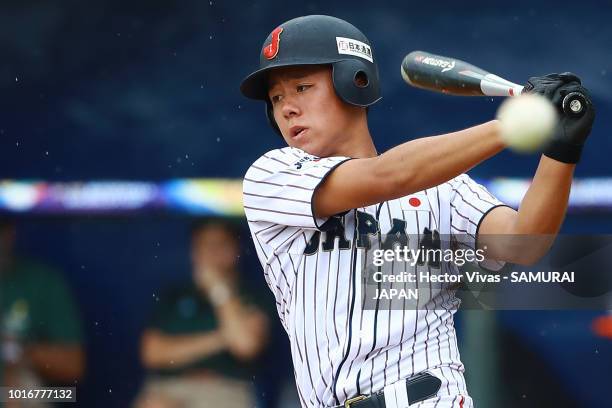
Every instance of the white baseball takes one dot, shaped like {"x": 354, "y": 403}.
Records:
{"x": 527, "y": 122}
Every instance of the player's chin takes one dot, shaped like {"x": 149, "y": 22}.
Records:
{"x": 312, "y": 148}
{"x": 309, "y": 143}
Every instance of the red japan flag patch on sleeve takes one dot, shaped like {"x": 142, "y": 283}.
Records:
{"x": 414, "y": 202}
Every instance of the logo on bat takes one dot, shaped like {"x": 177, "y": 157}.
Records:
{"x": 451, "y": 66}
{"x": 270, "y": 50}
{"x": 436, "y": 62}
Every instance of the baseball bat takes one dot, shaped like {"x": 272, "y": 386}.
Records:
{"x": 455, "y": 77}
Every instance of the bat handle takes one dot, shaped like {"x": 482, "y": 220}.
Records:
{"x": 574, "y": 104}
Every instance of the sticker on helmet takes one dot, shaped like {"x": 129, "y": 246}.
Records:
{"x": 270, "y": 50}
{"x": 354, "y": 47}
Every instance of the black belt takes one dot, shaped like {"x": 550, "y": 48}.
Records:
{"x": 419, "y": 388}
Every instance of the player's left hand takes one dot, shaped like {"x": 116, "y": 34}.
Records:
{"x": 572, "y": 130}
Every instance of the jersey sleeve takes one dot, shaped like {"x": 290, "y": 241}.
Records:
{"x": 470, "y": 202}
{"x": 279, "y": 188}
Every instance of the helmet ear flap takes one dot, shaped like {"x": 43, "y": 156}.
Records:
{"x": 271, "y": 120}
{"x": 356, "y": 82}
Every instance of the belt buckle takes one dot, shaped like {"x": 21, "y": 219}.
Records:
{"x": 349, "y": 402}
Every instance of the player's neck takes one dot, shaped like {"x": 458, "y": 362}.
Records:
{"x": 360, "y": 145}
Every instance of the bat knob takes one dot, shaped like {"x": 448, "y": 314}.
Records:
{"x": 574, "y": 104}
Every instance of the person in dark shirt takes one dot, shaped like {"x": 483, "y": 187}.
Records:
{"x": 203, "y": 335}
{"x": 40, "y": 327}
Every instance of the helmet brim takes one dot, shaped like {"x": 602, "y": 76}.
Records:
{"x": 255, "y": 85}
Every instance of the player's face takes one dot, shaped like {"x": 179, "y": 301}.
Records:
{"x": 307, "y": 110}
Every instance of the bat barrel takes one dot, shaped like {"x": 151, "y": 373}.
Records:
{"x": 452, "y": 76}
{"x": 437, "y": 73}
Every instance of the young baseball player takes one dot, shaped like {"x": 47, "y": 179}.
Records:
{"x": 315, "y": 208}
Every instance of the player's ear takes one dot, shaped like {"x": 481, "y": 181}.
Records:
{"x": 355, "y": 82}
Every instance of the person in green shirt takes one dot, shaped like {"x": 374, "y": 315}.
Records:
{"x": 203, "y": 336}
{"x": 40, "y": 328}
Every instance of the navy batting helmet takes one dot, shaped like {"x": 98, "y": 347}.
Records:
{"x": 315, "y": 40}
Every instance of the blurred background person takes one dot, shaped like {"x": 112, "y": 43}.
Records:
{"x": 40, "y": 329}
{"x": 204, "y": 336}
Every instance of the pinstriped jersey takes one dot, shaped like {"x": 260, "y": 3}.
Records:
{"x": 314, "y": 267}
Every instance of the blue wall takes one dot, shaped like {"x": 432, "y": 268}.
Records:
{"x": 149, "y": 90}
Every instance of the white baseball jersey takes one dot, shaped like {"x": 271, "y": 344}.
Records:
{"x": 314, "y": 268}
